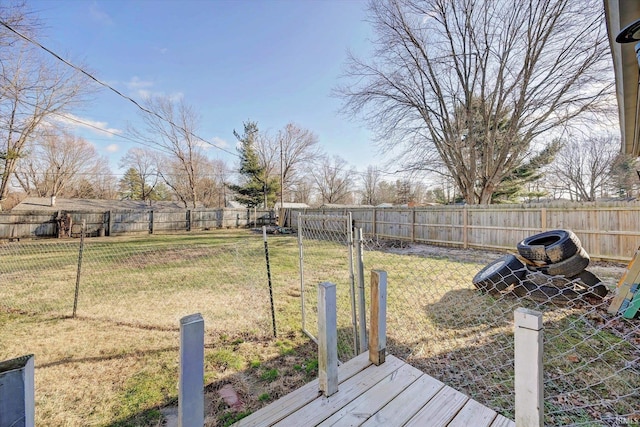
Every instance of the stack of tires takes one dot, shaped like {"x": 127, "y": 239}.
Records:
{"x": 551, "y": 266}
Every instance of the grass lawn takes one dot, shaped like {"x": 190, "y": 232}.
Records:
{"x": 116, "y": 363}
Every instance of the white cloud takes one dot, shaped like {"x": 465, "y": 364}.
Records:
{"x": 96, "y": 126}
{"x": 219, "y": 142}
{"x": 99, "y": 15}
{"x": 176, "y": 96}
{"x": 140, "y": 88}
{"x": 135, "y": 83}
{"x": 143, "y": 89}
{"x": 112, "y": 148}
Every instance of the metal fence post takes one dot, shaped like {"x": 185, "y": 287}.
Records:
{"x": 362, "y": 313}
{"x": 529, "y": 391}
{"x": 191, "y": 380}
{"x": 266, "y": 255}
{"x": 79, "y": 271}
{"x": 352, "y": 286}
{"x": 301, "y": 258}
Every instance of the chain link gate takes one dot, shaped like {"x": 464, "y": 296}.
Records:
{"x": 326, "y": 247}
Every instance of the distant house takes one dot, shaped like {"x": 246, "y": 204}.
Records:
{"x": 233, "y": 204}
{"x": 339, "y": 206}
{"x": 54, "y": 204}
{"x": 291, "y": 205}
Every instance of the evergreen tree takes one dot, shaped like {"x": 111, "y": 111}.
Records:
{"x": 130, "y": 186}
{"x": 133, "y": 187}
{"x": 513, "y": 185}
{"x": 257, "y": 187}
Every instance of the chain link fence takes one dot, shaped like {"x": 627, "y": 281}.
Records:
{"x": 326, "y": 255}
{"x": 462, "y": 333}
{"x": 150, "y": 282}
{"x": 441, "y": 323}
{"x": 437, "y": 319}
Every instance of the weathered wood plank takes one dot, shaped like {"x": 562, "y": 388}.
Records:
{"x": 321, "y": 408}
{"x": 406, "y": 404}
{"x": 528, "y": 381}
{"x": 293, "y": 401}
{"x": 378, "y": 328}
{"x": 474, "y": 414}
{"x": 630, "y": 276}
{"x": 440, "y": 410}
{"x": 372, "y": 400}
{"x": 502, "y": 421}
{"x": 327, "y": 338}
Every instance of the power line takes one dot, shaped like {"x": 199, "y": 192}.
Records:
{"x": 114, "y": 90}
{"x": 144, "y": 109}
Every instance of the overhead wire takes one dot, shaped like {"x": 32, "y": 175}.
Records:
{"x": 146, "y": 110}
{"x": 111, "y": 88}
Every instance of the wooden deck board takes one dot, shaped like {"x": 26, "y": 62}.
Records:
{"x": 371, "y": 401}
{"x": 407, "y": 403}
{"x": 475, "y": 414}
{"x": 273, "y": 413}
{"x": 440, "y": 410}
{"x": 321, "y": 408}
{"x": 391, "y": 394}
{"x": 502, "y": 421}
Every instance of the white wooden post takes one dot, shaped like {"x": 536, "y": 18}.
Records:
{"x": 191, "y": 381}
{"x": 17, "y": 392}
{"x": 327, "y": 339}
{"x": 378, "y": 328}
{"x": 529, "y": 405}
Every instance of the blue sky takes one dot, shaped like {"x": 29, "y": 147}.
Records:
{"x": 271, "y": 61}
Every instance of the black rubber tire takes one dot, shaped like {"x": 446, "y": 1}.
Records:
{"x": 551, "y": 246}
{"x": 498, "y": 275}
{"x": 569, "y": 267}
{"x": 561, "y": 290}
{"x": 543, "y": 293}
{"x": 593, "y": 286}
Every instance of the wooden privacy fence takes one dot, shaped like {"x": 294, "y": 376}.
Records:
{"x": 109, "y": 223}
{"x": 608, "y": 231}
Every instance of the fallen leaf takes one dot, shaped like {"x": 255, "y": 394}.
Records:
{"x": 573, "y": 358}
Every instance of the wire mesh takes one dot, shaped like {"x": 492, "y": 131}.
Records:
{"x": 463, "y": 334}
{"x": 38, "y": 277}
{"x": 437, "y": 320}
{"x": 148, "y": 281}
{"x": 327, "y": 257}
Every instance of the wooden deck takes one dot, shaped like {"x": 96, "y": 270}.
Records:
{"x": 390, "y": 394}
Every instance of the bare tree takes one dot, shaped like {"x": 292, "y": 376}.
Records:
{"x": 285, "y": 156}
{"x": 58, "y": 162}
{"x": 299, "y": 148}
{"x": 302, "y": 191}
{"x": 333, "y": 180}
{"x": 171, "y": 128}
{"x": 370, "y": 185}
{"x": 185, "y": 178}
{"x": 145, "y": 162}
{"x": 211, "y": 185}
{"x": 583, "y": 166}
{"x": 470, "y": 84}
{"x": 33, "y": 88}
{"x": 98, "y": 182}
